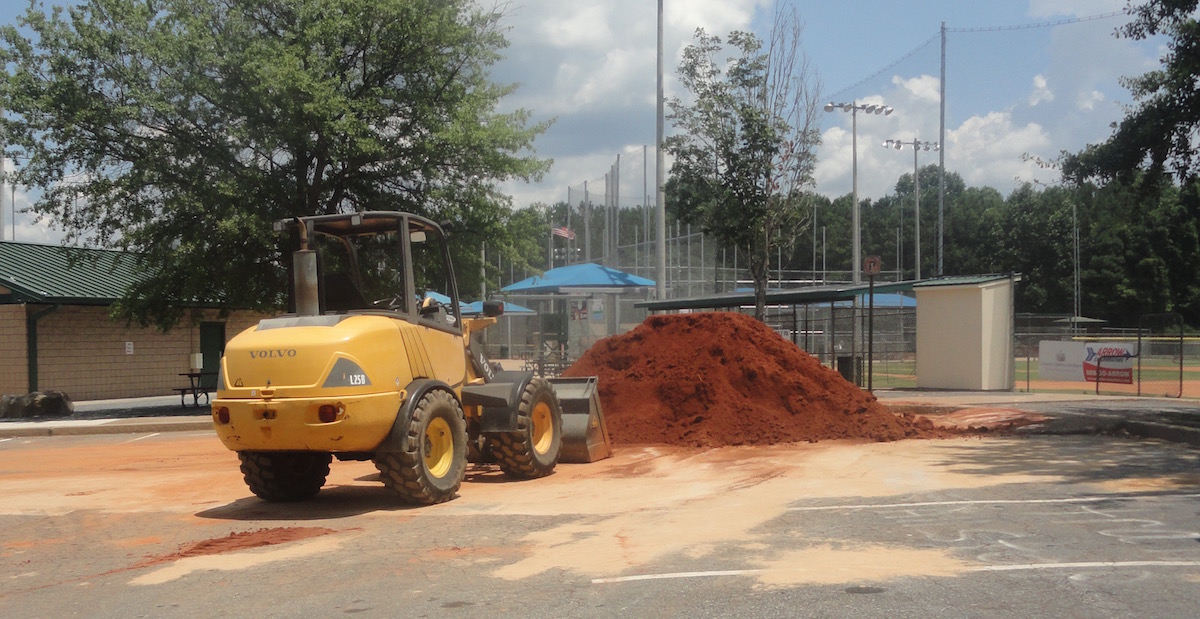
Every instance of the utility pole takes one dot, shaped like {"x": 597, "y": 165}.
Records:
{"x": 660, "y": 279}
{"x": 942, "y": 154}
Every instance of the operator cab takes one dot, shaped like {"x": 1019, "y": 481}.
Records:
{"x": 361, "y": 266}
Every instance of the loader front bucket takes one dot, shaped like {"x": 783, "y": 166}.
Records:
{"x": 585, "y": 437}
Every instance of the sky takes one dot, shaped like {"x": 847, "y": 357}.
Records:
{"x": 1014, "y": 85}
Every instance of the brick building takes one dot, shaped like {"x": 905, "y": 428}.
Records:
{"x": 56, "y": 332}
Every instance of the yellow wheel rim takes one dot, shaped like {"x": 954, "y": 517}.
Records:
{"x": 439, "y": 447}
{"x": 543, "y": 428}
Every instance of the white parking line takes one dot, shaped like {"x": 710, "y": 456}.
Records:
{"x": 152, "y": 434}
{"x": 1082, "y": 565}
{"x": 667, "y": 576}
{"x": 983, "y": 568}
{"x": 1090, "y": 499}
{"x": 5, "y": 440}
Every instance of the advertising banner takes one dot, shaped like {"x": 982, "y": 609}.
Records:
{"x": 1107, "y": 362}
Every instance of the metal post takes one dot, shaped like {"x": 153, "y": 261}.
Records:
{"x": 814, "y": 226}
{"x": 870, "y": 332}
{"x": 942, "y": 153}
{"x": 917, "y": 207}
{"x": 855, "y": 263}
{"x": 587, "y": 224}
{"x": 1075, "y": 234}
{"x": 856, "y": 245}
{"x": 660, "y": 174}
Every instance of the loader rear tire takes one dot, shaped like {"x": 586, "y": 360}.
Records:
{"x": 532, "y": 450}
{"x": 432, "y": 461}
{"x": 284, "y": 475}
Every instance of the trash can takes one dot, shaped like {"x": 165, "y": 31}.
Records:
{"x": 849, "y": 369}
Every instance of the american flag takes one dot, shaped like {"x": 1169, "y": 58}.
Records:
{"x": 564, "y": 232}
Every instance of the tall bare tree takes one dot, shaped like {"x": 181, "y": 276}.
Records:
{"x": 745, "y": 141}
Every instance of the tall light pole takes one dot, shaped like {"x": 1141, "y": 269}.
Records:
{"x": 917, "y": 146}
{"x": 660, "y": 180}
{"x": 854, "y": 108}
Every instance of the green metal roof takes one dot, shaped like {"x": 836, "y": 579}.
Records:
{"x": 792, "y": 296}
{"x": 965, "y": 280}
{"x": 54, "y": 274}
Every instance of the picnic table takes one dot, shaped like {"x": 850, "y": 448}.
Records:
{"x": 195, "y": 388}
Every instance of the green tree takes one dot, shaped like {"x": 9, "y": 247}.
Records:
{"x": 1158, "y": 131}
{"x": 523, "y": 245}
{"x": 1154, "y": 141}
{"x": 970, "y": 224}
{"x": 179, "y": 129}
{"x": 744, "y": 143}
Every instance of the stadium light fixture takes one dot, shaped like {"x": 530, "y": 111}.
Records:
{"x": 854, "y": 108}
{"x": 917, "y": 146}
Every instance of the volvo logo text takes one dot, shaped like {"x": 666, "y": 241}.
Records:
{"x": 277, "y": 353}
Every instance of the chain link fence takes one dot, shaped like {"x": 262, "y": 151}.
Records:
{"x": 1153, "y": 359}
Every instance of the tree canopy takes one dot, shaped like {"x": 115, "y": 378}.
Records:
{"x": 1158, "y": 132}
{"x": 180, "y": 129}
{"x": 744, "y": 143}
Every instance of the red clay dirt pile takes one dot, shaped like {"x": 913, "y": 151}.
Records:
{"x": 719, "y": 378}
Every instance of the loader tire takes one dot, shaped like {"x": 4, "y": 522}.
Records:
{"x": 532, "y": 450}
{"x": 432, "y": 461}
{"x": 284, "y": 475}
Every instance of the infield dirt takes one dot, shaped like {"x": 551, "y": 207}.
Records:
{"x": 721, "y": 378}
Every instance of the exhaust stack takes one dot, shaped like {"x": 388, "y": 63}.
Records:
{"x": 304, "y": 276}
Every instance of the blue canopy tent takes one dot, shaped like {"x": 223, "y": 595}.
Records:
{"x": 887, "y": 299}
{"x": 582, "y": 303}
{"x": 511, "y": 310}
{"x": 586, "y": 275}
{"x": 445, "y": 300}
{"x": 475, "y": 308}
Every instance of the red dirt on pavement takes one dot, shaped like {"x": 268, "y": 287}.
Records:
{"x": 721, "y": 378}
{"x": 239, "y": 541}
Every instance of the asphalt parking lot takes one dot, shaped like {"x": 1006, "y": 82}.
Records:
{"x": 159, "y": 523}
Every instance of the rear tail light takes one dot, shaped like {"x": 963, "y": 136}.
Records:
{"x": 221, "y": 415}
{"x": 329, "y": 413}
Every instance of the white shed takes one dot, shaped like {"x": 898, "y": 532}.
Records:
{"x": 965, "y": 332}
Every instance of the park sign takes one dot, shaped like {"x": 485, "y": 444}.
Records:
{"x": 1105, "y": 362}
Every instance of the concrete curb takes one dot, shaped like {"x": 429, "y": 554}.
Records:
{"x": 1066, "y": 423}
{"x": 1162, "y": 431}
{"x": 79, "y": 427}
{"x": 1060, "y": 423}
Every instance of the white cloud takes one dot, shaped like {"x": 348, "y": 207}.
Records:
{"x": 573, "y": 170}
{"x": 1087, "y": 100}
{"x": 986, "y": 150}
{"x": 594, "y": 68}
{"x": 924, "y": 88}
{"x": 606, "y": 83}
{"x": 1041, "y": 92}
{"x": 578, "y": 27}
{"x": 715, "y": 16}
{"x": 1076, "y": 8}
{"x": 878, "y": 168}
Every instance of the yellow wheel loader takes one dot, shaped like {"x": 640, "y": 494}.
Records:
{"x": 374, "y": 362}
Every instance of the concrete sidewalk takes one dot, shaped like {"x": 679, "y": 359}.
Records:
{"x": 119, "y": 416}
{"x": 1167, "y": 419}
{"x": 1170, "y": 419}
